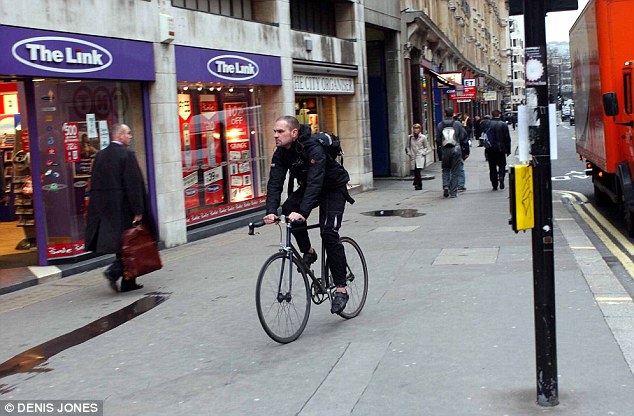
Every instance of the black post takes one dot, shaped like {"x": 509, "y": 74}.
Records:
{"x": 543, "y": 247}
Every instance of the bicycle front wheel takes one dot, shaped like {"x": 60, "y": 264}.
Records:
{"x": 282, "y": 298}
{"x": 356, "y": 278}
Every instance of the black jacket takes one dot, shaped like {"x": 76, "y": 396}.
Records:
{"x": 314, "y": 170}
{"x": 117, "y": 194}
{"x": 502, "y": 136}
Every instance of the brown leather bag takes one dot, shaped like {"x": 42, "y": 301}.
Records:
{"x": 139, "y": 253}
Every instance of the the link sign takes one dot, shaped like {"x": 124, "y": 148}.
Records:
{"x": 320, "y": 84}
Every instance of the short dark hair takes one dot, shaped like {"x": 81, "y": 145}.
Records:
{"x": 448, "y": 112}
{"x": 496, "y": 113}
{"x": 291, "y": 122}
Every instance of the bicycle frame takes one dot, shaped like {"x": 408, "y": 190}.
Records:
{"x": 290, "y": 250}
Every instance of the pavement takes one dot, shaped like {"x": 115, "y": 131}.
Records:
{"x": 448, "y": 327}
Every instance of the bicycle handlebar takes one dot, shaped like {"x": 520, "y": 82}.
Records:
{"x": 254, "y": 225}
{"x": 281, "y": 218}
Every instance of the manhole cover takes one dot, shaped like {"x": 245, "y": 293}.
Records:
{"x": 405, "y": 213}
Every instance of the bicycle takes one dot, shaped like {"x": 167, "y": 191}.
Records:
{"x": 283, "y": 299}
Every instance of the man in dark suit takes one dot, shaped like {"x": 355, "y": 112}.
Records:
{"x": 117, "y": 200}
{"x": 501, "y": 149}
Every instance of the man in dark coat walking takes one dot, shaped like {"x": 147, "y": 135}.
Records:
{"x": 497, "y": 154}
{"x": 117, "y": 200}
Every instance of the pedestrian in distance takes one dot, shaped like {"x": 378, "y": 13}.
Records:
{"x": 451, "y": 138}
{"x": 118, "y": 201}
{"x": 322, "y": 182}
{"x": 477, "y": 129}
{"x": 500, "y": 147}
{"x": 416, "y": 149}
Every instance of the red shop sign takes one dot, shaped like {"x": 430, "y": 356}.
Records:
{"x": 71, "y": 142}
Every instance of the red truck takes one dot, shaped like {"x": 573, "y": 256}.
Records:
{"x": 602, "y": 56}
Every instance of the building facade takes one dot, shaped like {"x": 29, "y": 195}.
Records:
{"x": 200, "y": 83}
{"x": 518, "y": 92}
{"x": 456, "y": 54}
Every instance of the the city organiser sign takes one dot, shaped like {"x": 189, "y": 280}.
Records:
{"x": 322, "y": 84}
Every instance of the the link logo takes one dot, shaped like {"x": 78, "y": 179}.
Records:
{"x": 233, "y": 67}
{"x": 62, "y": 54}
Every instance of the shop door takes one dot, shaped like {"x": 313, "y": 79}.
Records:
{"x": 17, "y": 212}
{"x": 378, "y": 109}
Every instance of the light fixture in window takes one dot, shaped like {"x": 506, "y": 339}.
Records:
{"x": 251, "y": 89}
{"x": 200, "y": 88}
{"x": 230, "y": 89}
{"x": 218, "y": 88}
{"x": 186, "y": 87}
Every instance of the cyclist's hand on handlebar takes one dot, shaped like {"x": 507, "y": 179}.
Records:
{"x": 270, "y": 218}
{"x": 294, "y": 216}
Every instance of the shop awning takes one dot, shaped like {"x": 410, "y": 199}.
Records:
{"x": 442, "y": 79}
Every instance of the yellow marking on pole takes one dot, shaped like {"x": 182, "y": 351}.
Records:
{"x": 524, "y": 197}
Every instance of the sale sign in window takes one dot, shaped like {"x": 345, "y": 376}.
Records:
{"x": 240, "y": 179}
{"x": 71, "y": 142}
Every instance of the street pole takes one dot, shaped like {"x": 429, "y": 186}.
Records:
{"x": 542, "y": 235}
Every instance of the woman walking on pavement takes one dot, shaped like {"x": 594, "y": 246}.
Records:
{"x": 416, "y": 149}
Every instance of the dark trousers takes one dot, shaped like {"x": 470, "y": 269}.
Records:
{"x": 418, "y": 183}
{"x": 116, "y": 268}
{"x": 331, "y": 207}
{"x": 497, "y": 166}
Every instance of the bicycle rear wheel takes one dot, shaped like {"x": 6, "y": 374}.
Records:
{"x": 282, "y": 301}
{"x": 356, "y": 278}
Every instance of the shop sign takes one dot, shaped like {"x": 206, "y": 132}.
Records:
{"x": 320, "y": 84}
{"x": 469, "y": 93}
{"x": 71, "y": 142}
{"x": 233, "y": 67}
{"x": 489, "y": 96}
{"x": 44, "y": 53}
{"x": 210, "y": 65}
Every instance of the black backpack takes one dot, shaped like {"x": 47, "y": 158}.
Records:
{"x": 331, "y": 143}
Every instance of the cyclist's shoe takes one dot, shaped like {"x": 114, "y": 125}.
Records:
{"x": 339, "y": 300}
{"x": 309, "y": 258}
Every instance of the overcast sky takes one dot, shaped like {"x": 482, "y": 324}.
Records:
{"x": 559, "y": 23}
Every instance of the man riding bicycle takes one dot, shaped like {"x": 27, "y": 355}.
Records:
{"x": 322, "y": 182}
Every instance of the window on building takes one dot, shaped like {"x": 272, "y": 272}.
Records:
{"x": 313, "y": 16}
{"x": 241, "y": 9}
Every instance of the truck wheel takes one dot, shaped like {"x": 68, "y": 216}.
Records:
{"x": 601, "y": 199}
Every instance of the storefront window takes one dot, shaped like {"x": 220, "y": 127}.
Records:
{"x": 74, "y": 119}
{"x": 319, "y": 112}
{"x": 222, "y": 152}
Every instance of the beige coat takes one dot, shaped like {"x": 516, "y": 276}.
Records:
{"x": 416, "y": 149}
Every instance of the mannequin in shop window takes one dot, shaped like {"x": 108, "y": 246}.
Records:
{"x": 302, "y": 117}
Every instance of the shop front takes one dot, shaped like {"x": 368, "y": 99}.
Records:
{"x": 61, "y": 94}
{"x": 316, "y": 99}
{"x": 221, "y": 95}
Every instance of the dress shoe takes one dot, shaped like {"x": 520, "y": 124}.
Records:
{"x": 127, "y": 286}
{"x": 112, "y": 280}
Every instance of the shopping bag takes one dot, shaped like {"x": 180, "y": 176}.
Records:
{"x": 139, "y": 253}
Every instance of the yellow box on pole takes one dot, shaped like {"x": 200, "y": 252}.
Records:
{"x": 522, "y": 197}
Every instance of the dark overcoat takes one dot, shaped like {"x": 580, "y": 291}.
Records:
{"x": 117, "y": 194}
